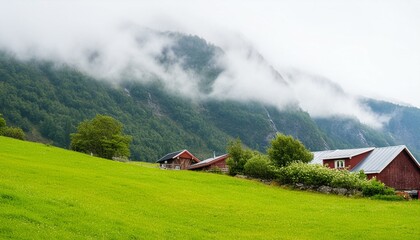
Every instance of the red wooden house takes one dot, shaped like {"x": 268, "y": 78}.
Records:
{"x": 179, "y": 160}
{"x": 214, "y": 162}
{"x": 395, "y": 166}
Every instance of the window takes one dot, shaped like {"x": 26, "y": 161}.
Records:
{"x": 339, "y": 164}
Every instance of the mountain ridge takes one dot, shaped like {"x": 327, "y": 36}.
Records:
{"x": 49, "y": 101}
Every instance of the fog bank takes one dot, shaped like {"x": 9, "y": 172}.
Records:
{"x": 375, "y": 54}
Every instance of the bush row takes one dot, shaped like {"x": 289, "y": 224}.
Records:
{"x": 314, "y": 176}
{"x": 317, "y": 175}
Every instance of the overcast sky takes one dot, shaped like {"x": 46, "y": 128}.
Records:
{"x": 369, "y": 47}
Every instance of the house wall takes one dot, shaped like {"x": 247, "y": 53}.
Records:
{"x": 183, "y": 163}
{"x": 402, "y": 173}
{"x": 329, "y": 163}
{"x": 370, "y": 176}
{"x": 185, "y": 155}
{"x": 220, "y": 164}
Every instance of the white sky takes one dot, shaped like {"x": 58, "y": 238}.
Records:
{"x": 369, "y": 47}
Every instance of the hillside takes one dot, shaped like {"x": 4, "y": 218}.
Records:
{"x": 51, "y": 193}
{"x": 48, "y": 100}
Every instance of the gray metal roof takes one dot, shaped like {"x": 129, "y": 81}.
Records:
{"x": 380, "y": 158}
{"x": 375, "y": 162}
{"x": 319, "y": 156}
{"x": 338, "y": 154}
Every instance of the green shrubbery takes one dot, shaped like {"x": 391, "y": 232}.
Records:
{"x": 282, "y": 151}
{"x": 374, "y": 187}
{"x": 259, "y": 166}
{"x": 316, "y": 175}
{"x": 12, "y": 132}
{"x": 238, "y": 157}
{"x": 290, "y": 170}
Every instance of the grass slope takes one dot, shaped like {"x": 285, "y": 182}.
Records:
{"x": 51, "y": 193}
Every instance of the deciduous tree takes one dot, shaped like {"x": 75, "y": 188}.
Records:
{"x": 238, "y": 156}
{"x": 101, "y": 136}
{"x": 285, "y": 149}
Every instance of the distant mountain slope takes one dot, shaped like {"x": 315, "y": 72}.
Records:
{"x": 49, "y": 100}
{"x": 404, "y": 124}
{"x": 350, "y": 133}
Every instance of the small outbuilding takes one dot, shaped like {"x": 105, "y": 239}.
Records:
{"x": 395, "y": 166}
{"x": 212, "y": 163}
{"x": 179, "y": 160}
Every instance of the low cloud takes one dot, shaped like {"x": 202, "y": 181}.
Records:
{"x": 248, "y": 77}
{"x": 322, "y": 98}
{"x": 116, "y": 44}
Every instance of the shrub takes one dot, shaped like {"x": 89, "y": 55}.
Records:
{"x": 308, "y": 174}
{"x": 238, "y": 156}
{"x": 316, "y": 175}
{"x": 259, "y": 166}
{"x": 12, "y": 132}
{"x": 2, "y": 122}
{"x": 375, "y": 187}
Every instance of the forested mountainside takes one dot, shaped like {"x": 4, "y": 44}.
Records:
{"x": 49, "y": 100}
{"x": 404, "y": 124}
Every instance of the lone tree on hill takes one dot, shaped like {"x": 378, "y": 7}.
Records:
{"x": 286, "y": 149}
{"x": 101, "y": 136}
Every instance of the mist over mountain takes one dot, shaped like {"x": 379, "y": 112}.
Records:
{"x": 365, "y": 55}
{"x": 175, "y": 91}
{"x": 199, "y": 70}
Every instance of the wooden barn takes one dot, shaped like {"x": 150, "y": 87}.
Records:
{"x": 179, "y": 160}
{"x": 210, "y": 163}
{"x": 395, "y": 166}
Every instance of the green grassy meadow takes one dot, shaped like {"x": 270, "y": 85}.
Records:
{"x": 51, "y": 193}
